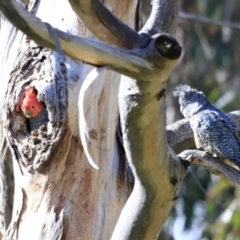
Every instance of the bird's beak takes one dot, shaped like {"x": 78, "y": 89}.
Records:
{"x": 27, "y": 113}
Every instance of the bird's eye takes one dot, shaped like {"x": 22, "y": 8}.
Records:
{"x": 32, "y": 106}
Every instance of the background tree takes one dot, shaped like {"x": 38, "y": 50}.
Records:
{"x": 53, "y": 185}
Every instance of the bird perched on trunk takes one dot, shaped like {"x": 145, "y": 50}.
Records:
{"x": 34, "y": 110}
{"x": 213, "y": 130}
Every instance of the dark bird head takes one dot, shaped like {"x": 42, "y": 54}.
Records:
{"x": 191, "y": 101}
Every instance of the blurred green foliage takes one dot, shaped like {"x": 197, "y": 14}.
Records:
{"x": 210, "y": 60}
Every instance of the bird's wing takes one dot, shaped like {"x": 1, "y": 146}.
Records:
{"x": 218, "y": 135}
{"x": 227, "y": 121}
{"x": 208, "y": 128}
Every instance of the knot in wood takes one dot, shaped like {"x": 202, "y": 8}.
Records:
{"x": 168, "y": 46}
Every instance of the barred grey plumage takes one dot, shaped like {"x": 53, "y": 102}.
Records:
{"x": 213, "y": 130}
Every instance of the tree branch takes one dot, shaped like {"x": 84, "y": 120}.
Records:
{"x": 142, "y": 112}
{"x": 104, "y": 25}
{"x": 204, "y": 19}
{"x": 164, "y": 22}
{"x": 89, "y": 50}
{"x": 180, "y": 135}
{"x": 213, "y": 164}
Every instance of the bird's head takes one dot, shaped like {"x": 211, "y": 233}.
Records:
{"x": 191, "y": 101}
{"x": 29, "y": 103}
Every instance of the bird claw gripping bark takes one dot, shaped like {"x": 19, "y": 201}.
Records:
{"x": 213, "y": 130}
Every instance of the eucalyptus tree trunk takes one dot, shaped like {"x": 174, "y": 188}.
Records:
{"x": 48, "y": 188}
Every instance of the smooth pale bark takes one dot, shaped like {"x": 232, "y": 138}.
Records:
{"x": 88, "y": 201}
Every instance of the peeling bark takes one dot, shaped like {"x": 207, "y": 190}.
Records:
{"x": 54, "y": 227}
{"x": 6, "y": 187}
{"x": 64, "y": 198}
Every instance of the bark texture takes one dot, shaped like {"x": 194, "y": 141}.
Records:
{"x": 34, "y": 140}
{"x": 54, "y": 187}
{"x": 55, "y": 190}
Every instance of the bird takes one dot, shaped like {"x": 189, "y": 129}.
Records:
{"x": 29, "y": 103}
{"x": 34, "y": 110}
{"x": 213, "y": 130}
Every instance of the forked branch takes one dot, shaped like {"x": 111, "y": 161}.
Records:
{"x": 88, "y": 50}
{"x": 104, "y": 25}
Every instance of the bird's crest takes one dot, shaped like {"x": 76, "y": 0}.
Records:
{"x": 188, "y": 92}
{"x": 185, "y": 89}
